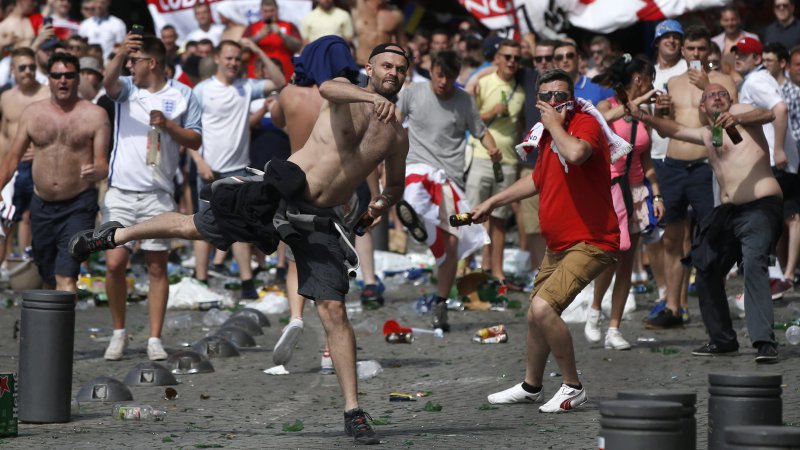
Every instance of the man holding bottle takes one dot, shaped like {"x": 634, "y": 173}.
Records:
{"x": 137, "y": 190}
{"x": 744, "y": 227}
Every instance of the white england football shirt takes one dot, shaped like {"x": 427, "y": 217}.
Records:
{"x": 128, "y": 167}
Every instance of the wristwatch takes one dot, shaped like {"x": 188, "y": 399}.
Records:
{"x": 658, "y": 198}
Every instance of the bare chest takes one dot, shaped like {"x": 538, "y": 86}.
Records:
{"x": 63, "y": 131}
{"x": 375, "y": 25}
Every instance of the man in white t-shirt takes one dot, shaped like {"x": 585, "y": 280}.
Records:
{"x": 225, "y": 101}
{"x": 205, "y": 29}
{"x": 103, "y": 28}
{"x": 140, "y": 187}
{"x": 762, "y": 90}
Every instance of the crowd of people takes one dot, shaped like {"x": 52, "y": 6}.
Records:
{"x": 610, "y": 166}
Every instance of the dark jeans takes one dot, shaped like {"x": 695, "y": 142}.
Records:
{"x": 731, "y": 232}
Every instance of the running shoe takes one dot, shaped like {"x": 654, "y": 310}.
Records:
{"x": 411, "y": 220}
{"x": 767, "y": 353}
{"x": 87, "y": 242}
{"x": 710, "y": 349}
{"x": 778, "y": 287}
{"x": 440, "y": 316}
{"x": 155, "y": 351}
{"x": 356, "y": 424}
{"x": 116, "y": 347}
{"x": 515, "y": 394}
{"x": 615, "y": 341}
{"x": 566, "y": 399}
{"x": 659, "y": 306}
{"x": 592, "y": 328}
{"x": 664, "y": 320}
{"x": 282, "y": 352}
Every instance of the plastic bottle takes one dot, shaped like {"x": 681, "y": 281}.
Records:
{"x": 138, "y": 412}
{"x": 215, "y": 317}
{"x": 793, "y": 335}
{"x": 182, "y": 322}
{"x": 153, "y": 146}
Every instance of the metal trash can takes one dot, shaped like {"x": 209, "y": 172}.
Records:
{"x": 742, "y": 398}
{"x": 686, "y": 398}
{"x": 762, "y": 437}
{"x": 640, "y": 424}
{"x": 47, "y": 331}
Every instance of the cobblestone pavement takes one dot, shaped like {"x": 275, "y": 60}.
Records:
{"x": 246, "y": 408}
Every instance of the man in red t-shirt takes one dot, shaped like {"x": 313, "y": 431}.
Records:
{"x": 579, "y": 226}
{"x": 277, "y": 38}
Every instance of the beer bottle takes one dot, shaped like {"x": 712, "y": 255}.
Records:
{"x": 716, "y": 133}
{"x": 365, "y": 221}
{"x": 497, "y": 168}
{"x": 457, "y": 220}
{"x": 664, "y": 111}
{"x": 504, "y": 100}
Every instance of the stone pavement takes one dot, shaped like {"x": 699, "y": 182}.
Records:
{"x": 246, "y": 408}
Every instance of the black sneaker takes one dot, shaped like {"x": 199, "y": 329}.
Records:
{"x": 665, "y": 319}
{"x": 410, "y": 219}
{"x": 767, "y": 353}
{"x": 440, "y": 316}
{"x": 87, "y": 242}
{"x": 356, "y": 424}
{"x": 710, "y": 349}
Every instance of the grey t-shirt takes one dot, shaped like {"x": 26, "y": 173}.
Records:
{"x": 437, "y": 128}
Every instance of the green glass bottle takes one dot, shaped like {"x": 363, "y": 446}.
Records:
{"x": 716, "y": 133}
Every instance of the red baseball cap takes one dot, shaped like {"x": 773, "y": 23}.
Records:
{"x": 748, "y": 45}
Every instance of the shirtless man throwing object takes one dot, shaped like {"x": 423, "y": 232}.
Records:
{"x": 298, "y": 202}
{"x": 69, "y": 137}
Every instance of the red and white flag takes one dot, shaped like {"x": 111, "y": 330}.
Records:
{"x": 551, "y": 18}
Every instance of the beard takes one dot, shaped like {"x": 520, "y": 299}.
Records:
{"x": 385, "y": 92}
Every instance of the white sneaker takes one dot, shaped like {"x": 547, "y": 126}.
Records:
{"x": 515, "y": 394}
{"x": 155, "y": 351}
{"x": 282, "y": 352}
{"x": 326, "y": 364}
{"x": 615, "y": 341}
{"x": 116, "y": 347}
{"x": 565, "y": 399}
{"x": 592, "y": 328}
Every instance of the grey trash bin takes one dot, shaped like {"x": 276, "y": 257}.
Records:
{"x": 686, "y": 398}
{"x": 742, "y": 398}
{"x": 47, "y": 332}
{"x": 639, "y": 424}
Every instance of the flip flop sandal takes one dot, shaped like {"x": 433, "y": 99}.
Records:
{"x": 408, "y": 217}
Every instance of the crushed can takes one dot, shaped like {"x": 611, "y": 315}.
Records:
{"x": 400, "y": 338}
{"x": 8, "y": 404}
{"x": 497, "y": 334}
{"x": 499, "y": 339}
{"x": 205, "y": 306}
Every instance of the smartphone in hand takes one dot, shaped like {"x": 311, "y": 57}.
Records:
{"x": 137, "y": 29}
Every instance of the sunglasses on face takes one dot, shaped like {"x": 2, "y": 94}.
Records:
{"x": 538, "y": 59}
{"x": 560, "y": 96}
{"x": 510, "y": 57}
{"x": 781, "y": 6}
{"x": 24, "y": 67}
{"x": 598, "y": 52}
{"x": 570, "y": 55}
{"x": 67, "y": 75}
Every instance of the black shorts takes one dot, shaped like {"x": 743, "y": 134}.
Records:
{"x": 320, "y": 257}
{"x": 52, "y": 226}
{"x": 685, "y": 183}
{"x": 790, "y": 185}
{"x": 23, "y": 189}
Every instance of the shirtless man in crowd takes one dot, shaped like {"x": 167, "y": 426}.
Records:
{"x": 686, "y": 178}
{"x": 17, "y": 29}
{"x": 376, "y": 21}
{"x": 12, "y": 103}
{"x": 355, "y": 131}
{"x": 68, "y": 138}
{"x": 745, "y": 226}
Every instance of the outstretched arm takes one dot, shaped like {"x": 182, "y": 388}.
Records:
{"x": 670, "y": 128}
{"x": 522, "y": 188}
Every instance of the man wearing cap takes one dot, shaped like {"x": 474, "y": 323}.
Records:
{"x": 760, "y": 89}
{"x": 91, "y": 87}
{"x": 669, "y": 63}
{"x": 686, "y": 177}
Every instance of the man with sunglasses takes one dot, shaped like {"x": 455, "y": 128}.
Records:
{"x": 12, "y": 103}
{"x": 685, "y": 177}
{"x": 67, "y": 139}
{"x": 500, "y": 99}
{"x": 138, "y": 190}
{"x": 581, "y": 232}
{"x": 565, "y": 57}
{"x": 746, "y": 225}
{"x": 543, "y": 56}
